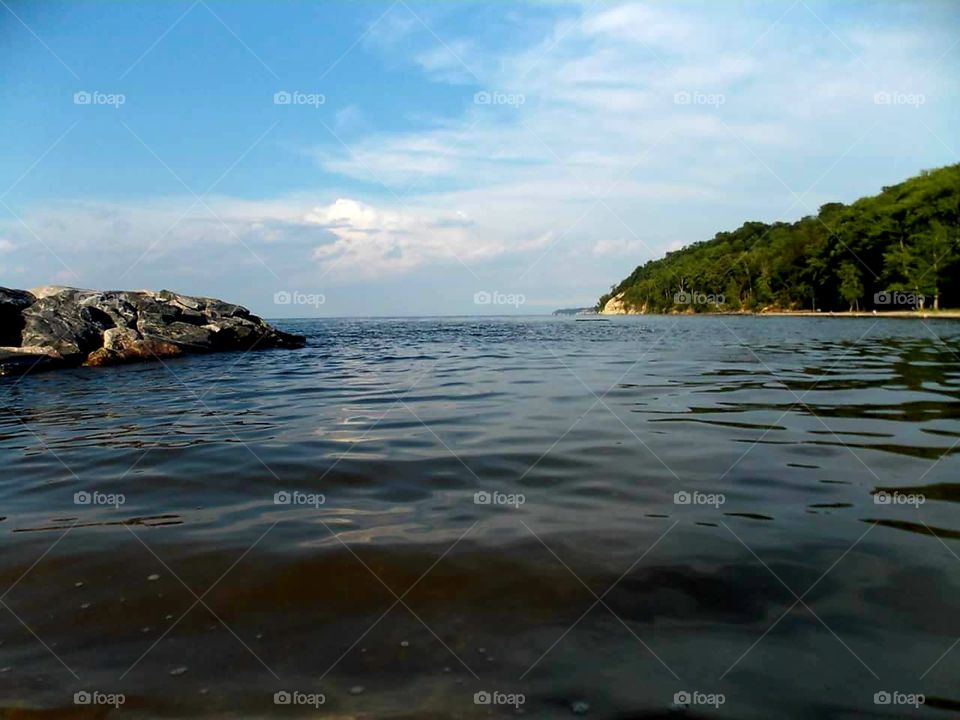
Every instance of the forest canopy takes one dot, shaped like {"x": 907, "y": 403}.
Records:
{"x": 897, "y": 250}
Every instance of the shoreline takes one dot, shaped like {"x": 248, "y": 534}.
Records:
{"x": 913, "y": 314}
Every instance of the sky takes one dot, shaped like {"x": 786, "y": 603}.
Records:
{"x": 349, "y": 158}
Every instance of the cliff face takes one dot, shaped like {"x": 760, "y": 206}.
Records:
{"x": 64, "y": 327}
{"x": 616, "y": 306}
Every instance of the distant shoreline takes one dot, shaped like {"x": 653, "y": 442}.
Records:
{"x": 914, "y": 314}
{"x": 917, "y": 314}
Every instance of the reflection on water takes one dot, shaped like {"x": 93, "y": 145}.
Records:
{"x": 597, "y": 516}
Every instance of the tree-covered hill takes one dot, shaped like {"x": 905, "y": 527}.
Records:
{"x": 893, "y": 251}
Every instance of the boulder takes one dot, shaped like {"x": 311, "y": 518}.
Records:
{"x": 72, "y": 328}
{"x": 196, "y": 338}
{"x": 67, "y": 322}
{"x": 57, "y": 327}
{"x": 20, "y": 361}
{"x": 12, "y": 304}
{"x": 47, "y": 290}
{"x": 122, "y": 345}
{"x": 119, "y": 339}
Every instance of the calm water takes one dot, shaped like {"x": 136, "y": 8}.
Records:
{"x": 583, "y": 584}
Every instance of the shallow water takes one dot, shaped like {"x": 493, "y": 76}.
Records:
{"x": 584, "y": 585}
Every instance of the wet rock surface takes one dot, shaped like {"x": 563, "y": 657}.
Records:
{"x": 66, "y": 327}
{"x": 12, "y": 304}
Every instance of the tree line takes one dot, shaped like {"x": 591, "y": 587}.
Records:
{"x": 897, "y": 250}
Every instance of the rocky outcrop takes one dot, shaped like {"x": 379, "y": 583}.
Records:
{"x": 617, "y": 305}
{"x": 614, "y": 306}
{"x": 55, "y": 327}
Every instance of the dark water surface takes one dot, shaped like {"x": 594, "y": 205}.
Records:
{"x": 800, "y": 595}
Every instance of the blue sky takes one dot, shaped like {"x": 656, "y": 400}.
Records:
{"x": 536, "y": 151}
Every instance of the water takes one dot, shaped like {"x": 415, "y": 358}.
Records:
{"x": 583, "y": 584}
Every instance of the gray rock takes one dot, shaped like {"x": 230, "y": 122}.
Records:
{"x": 12, "y": 304}
{"x": 15, "y": 361}
{"x": 122, "y": 312}
{"x": 118, "y": 339}
{"x": 68, "y": 326}
{"x": 186, "y": 335}
{"x": 18, "y": 299}
{"x": 68, "y": 322}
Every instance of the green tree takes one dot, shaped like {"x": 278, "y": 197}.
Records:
{"x": 934, "y": 251}
{"x": 851, "y": 287}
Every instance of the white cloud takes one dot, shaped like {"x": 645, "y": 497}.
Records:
{"x": 618, "y": 247}
{"x": 375, "y": 241}
{"x": 447, "y": 62}
{"x": 647, "y": 25}
{"x": 350, "y": 120}
{"x": 372, "y": 241}
{"x": 390, "y": 28}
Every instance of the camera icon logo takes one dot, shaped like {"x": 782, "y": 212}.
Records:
{"x": 482, "y": 98}
{"x": 482, "y": 698}
{"x": 482, "y": 298}
{"x": 681, "y": 498}
{"x": 681, "y": 98}
{"x": 281, "y": 498}
{"x": 282, "y": 698}
{"x": 882, "y": 498}
{"x": 681, "y": 698}
{"x": 682, "y": 298}
{"x": 282, "y": 98}
{"x": 882, "y": 298}
{"x": 882, "y": 698}
{"x": 282, "y": 298}
{"x": 82, "y": 698}
{"x": 82, "y": 98}
{"x": 482, "y": 498}
{"x": 882, "y": 98}
{"x": 82, "y": 498}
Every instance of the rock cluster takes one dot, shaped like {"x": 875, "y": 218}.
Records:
{"x": 55, "y": 327}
